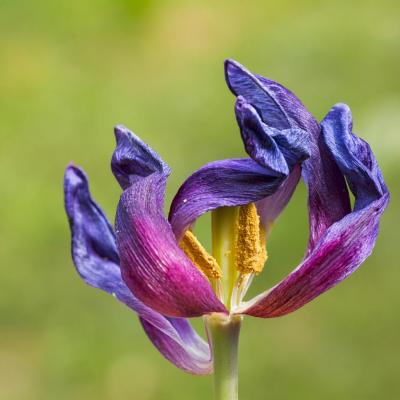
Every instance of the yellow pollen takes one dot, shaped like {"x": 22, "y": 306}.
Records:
{"x": 199, "y": 256}
{"x": 251, "y": 253}
{"x": 263, "y": 244}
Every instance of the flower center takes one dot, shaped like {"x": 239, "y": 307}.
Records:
{"x": 239, "y": 252}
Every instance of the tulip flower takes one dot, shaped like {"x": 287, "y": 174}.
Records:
{"x": 157, "y": 266}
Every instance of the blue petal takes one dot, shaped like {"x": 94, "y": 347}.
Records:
{"x": 353, "y": 156}
{"x": 243, "y": 83}
{"x": 279, "y": 150}
{"x": 96, "y": 259}
{"x": 133, "y": 159}
{"x": 278, "y": 107}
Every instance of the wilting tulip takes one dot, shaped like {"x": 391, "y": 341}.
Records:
{"x": 158, "y": 267}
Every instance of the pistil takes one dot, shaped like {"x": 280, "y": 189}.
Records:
{"x": 224, "y": 234}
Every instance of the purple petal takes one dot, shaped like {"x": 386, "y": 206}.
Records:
{"x": 278, "y": 107}
{"x": 153, "y": 266}
{"x": 191, "y": 357}
{"x": 278, "y": 150}
{"x": 276, "y": 129}
{"x": 221, "y": 183}
{"x": 340, "y": 251}
{"x": 345, "y": 244}
{"x": 270, "y": 207}
{"x": 353, "y": 156}
{"x": 93, "y": 240}
{"x": 328, "y": 197}
{"x": 96, "y": 259}
{"x": 133, "y": 159}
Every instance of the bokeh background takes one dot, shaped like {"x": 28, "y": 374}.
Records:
{"x": 71, "y": 70}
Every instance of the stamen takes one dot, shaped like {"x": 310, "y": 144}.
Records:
{"x": 251, "y": 253}
{"x": 243, "y": 283}
{"x": 199, "y": 256}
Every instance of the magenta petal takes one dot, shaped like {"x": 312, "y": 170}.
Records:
{"x": 345, "y": 245}
{"x": 153, "y": 266}
{"x": 96, "y": 259}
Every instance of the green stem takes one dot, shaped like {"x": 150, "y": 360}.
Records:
{"x": 224, "y": 333}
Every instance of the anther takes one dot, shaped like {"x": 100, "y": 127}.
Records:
{"x": 251, "y": 253}
{"x": 199, "y": 256}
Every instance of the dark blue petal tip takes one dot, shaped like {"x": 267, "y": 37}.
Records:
{"x": 133, "y": 159}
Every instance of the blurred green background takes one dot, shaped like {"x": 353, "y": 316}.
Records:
{"x": 71, "y": 70}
